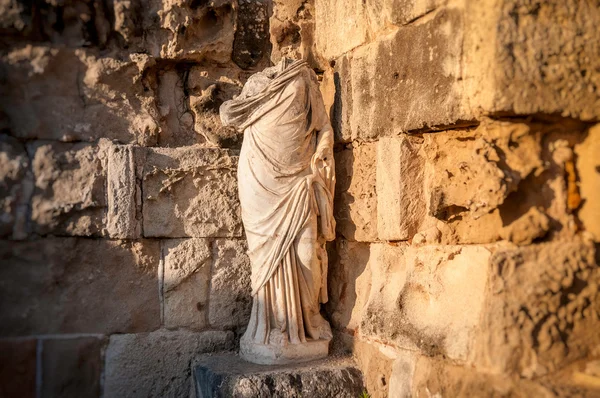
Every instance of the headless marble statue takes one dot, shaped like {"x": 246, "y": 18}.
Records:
{"x": 286, "y": 180}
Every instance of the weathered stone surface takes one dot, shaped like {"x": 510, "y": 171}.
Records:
{"x": 349, "y": 283}
{"x": 251, "y": 41}
{"x": 67, "y": 95}
{"x": 123, "y": 215}
{"x": 532, "y": 57}
{"x": 226, "y": 375}
{"x": 190, "y": 192}
{"x": 18, "y": 368}
{"x": 292, "y": 30}
{"x": 588, "y": 170}
{"x": 157, "y": 364}
{"x": 230, "y": 300}
{"x": 75, "y": 285}
{"x": 208, "y": 88}
{"x": 406, "y": 80}
{"x": 376, "y": 363}
{"x": 16, "y": 184}
{"x": 70, "y": 194}
{"x": 542, "y": 311}
{"x": 72, "y": 367}
{"x": 428, "y": 298}
{"x": 355, "y": 196}
{"x": 186, "y": 282}
{"x": 400, "y": 198}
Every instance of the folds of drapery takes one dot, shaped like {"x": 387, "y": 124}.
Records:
{"x": 281, "y": 182}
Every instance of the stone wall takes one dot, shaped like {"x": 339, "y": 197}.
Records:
{"x": 466, "y": 259}
{"x": 121, "y": 245}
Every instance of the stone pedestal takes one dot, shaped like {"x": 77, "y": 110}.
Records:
{"x": 227, "y": 375}
{"x": 282, "y": 354}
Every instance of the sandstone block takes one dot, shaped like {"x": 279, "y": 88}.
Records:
{"x": 16, "y": 185}
{"x": 355, "y": 196}
{"x": 230, "y": 299}
{"x": 74, "y": 285}
{"x": 588, "y": 169}
{"x": 190, "y": 192}
{"x": 542, "y": 310}
{"x": 157, "y": 364}
{"x": 65, "y": 94}
{"x": 70, "y": 194}
{"x": 525, "y": 64}
{"x": 340, "y": 26}
{"x": 186, "y": 282}
{"x": 226, "y": 375}
{"x": 18, "y": 368}
{"x": 388, "y": 77}
{"x": 400, "y": 198}
{"x": 72, "y": 367}
{"x": 428, "y": 298}
{"x": 123, "y": 215}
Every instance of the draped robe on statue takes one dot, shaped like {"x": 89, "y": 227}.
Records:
{"x": 286, "y": 195}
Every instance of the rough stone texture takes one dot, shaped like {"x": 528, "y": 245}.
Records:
{"x": 251, "y": 34}
{"x": 527, "y": 63}
{"x": 405, "y": 80}
{"x": 69, "y": 197}
{"x": 190, "y": 192}
{"x": 400, "y": 198}
{"x": 64, "y": 94}
{"x": 186, "y": 282}
{"x": 18, "y": 368}
{"x": 428, "y": 298}
{"x": 227, "y": 375}
{"x": 157, "y": 364}
{"x": 75, "y": 285}
{"x": 550, "y": 292}
{"x": 588, "y": 170}
{"x": 355, "y": 197}
{"x": 230, "y": 299}
{"x": 124, "y": 200}
{"x": 16, "y": 185}
{"x": 291, "y": 30}
{"x": 71, "y": 367}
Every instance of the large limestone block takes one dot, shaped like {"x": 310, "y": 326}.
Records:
{"x": 227, "y": 375}
{"x": 428, "y": 298}
{"x": 18, "y": 368}
{"x": 186, "y": 281}
{"x": 16, "y": 185}
{"x": 349, "y": 283}
{"x": 157, "y": 364}
{"x": 355, "y": 196}
{"x": 527, "y": 57}
{"x": 230, "y": 299}
{"x": 67, "y": 95}
{"x": 400, "y": 198}
{"x": 190, "y": 192}
{"x": 588, "y": 169}
{"x": 542, "y": 309}
{"x": 340, "y": 26}
{"x": 75, "y": 285}
{"x": 408, "y": 79}
{"x": 70, "y": 193}
{"x": 71, "y": 367}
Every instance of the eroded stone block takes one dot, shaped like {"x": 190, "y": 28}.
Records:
{"x": 190, "y": 192}
{"x": 588, "y": 169}
{"x": 186, "y": 282}
{"x": 355, "y": 203}
{"x": 157, "y": 364}
{"x": 70, "y": 193}
{"x": 76, "y": 285}
{"x": 400, "y": 198}
{"x": 18, "y": 368}
{"x": 230, "y": 300}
